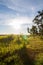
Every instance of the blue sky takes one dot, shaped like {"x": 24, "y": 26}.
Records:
{"x": 16, "y": 15}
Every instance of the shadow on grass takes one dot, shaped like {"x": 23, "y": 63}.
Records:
{"x": 18, "y": 57}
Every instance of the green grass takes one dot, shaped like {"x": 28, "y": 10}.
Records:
{"x": 15, "y": 50}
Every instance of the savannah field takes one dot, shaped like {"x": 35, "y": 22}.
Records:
{"x": 21, "y": 50}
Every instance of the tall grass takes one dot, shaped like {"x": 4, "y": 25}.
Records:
{"x": 14, "y": 50}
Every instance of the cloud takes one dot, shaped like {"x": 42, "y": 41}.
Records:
{"x": 4, "y": 17}
{"x": 23, "y": 7}
{"x": 17, "y": 20}
{"x": 18, "y": 13}
{"x": 18, "y": 5}
{"x": 13, "y": 4}
{"x": 16, "y": 25}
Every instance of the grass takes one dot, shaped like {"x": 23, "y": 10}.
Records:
{"x": 14, "y": 50}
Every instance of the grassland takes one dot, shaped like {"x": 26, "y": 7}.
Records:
{"x": 17, "y": 50}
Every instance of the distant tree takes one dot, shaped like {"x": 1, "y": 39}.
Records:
{"x": 33, "y": 30}
{"x": 28, "y": 29}
{"x": 38, "y": 20}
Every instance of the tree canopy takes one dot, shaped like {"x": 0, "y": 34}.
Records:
{"x": 38, "y": 20}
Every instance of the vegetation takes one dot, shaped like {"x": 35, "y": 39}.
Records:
{"x": 34, "y": 30}
{"x": 37, "y": 28}
{"x": 21, "y": 50}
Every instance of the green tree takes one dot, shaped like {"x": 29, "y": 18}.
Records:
{"x": 33, "y": 30}
{"x": 38, "y": 20}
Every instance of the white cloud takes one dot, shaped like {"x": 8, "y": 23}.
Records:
{"x": 18, "y": 5}
{"x": 18, "y": 21}
{"x": 16, "y": 24}
{"x": 23, "y": 8}
{"x": 23, "y": 5}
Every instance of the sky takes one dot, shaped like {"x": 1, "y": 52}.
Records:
{"x": 17, "y": 15}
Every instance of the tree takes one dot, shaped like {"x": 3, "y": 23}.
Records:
{"x": 38, "y": 20}
{"x": 28, "y": 29}
{"x": 33, "y": 30}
